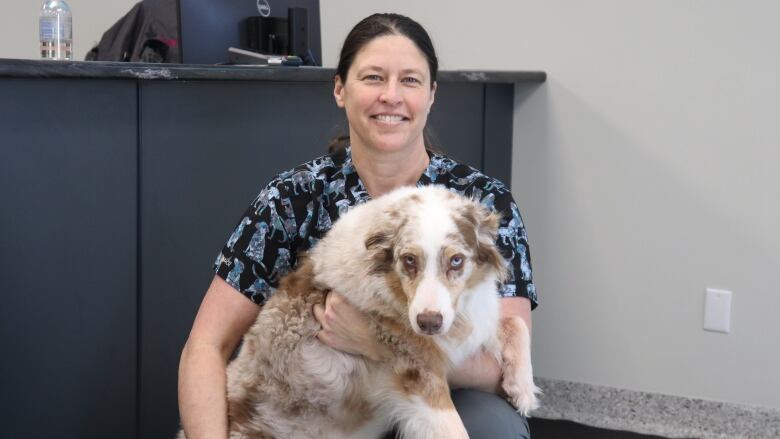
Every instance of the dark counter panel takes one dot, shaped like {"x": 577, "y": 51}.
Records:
{"x": 456, "y": 121}
{"x": 497, "y": 134}
{"x": 68, "y": 239}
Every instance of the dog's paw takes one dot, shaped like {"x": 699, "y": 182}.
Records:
{"x": 522, "y": 394}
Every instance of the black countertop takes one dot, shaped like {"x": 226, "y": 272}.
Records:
{"x": 22, "y": 68}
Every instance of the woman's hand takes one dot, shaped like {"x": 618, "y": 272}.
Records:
{"x": 482, "y": 371}
{"x": 346, "y": 328}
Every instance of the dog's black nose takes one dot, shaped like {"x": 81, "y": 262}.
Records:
{"x": 429, "y": 322}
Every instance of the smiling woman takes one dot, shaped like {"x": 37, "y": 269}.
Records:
{"x": 386, "y": 84}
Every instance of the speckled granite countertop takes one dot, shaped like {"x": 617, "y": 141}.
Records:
{"x": 22, "y": 68}
{"x": 656, "y": 414}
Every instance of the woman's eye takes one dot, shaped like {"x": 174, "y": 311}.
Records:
{"x": 456, "y": 261}
{"x": 372, "y": 78}
{"x": 411, "y": 80}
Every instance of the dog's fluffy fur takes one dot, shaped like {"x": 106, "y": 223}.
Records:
{"x": 422, "y": 262}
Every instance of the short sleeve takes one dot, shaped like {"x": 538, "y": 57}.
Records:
{"x": 258, "y": 252}
{"x": 513, "y": 243}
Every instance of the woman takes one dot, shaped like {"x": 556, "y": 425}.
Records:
{"x": 386, "y": 83}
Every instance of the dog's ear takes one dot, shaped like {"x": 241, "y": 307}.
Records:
{"x": 484, "y": 224}
{"x": 380, "y": 242}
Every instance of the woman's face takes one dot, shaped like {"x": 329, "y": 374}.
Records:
{"x": 387, "y": 95}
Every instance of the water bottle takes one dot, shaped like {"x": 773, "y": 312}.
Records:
{"x": 56, "y": 30}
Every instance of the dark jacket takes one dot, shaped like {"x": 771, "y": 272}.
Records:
{"x": 149, "y": 32}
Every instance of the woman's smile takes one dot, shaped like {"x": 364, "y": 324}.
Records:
{"x": 389, "y": 119}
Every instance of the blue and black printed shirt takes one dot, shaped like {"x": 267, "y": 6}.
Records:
{"x": 298, "y": 207}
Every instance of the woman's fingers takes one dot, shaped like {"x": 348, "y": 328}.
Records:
{"x": 319, "y": 314}
{"x": 344, "y": 326}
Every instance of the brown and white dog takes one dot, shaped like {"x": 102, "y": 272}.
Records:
{"x": 423, "y": 263}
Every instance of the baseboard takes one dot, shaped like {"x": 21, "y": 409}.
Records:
{"x": 654, "y": 414}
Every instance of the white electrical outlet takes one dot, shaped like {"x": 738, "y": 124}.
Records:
{"x": 717, "y": 310}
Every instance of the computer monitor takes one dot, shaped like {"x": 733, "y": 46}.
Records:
{"x": 207, "y": 28}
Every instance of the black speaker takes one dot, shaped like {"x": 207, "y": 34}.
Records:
{"x": 298, "y": 35}
{"x": 267, "y": 35}
{"x": 252, "y": 38}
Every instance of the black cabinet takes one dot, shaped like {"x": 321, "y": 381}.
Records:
{"x": 116, "y": 196}
{"x": 68, "y": 238}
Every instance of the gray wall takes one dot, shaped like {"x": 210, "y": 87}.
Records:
{"x": 648, "y": 170}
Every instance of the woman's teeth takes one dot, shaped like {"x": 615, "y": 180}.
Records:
{"x": 388, "y": 118}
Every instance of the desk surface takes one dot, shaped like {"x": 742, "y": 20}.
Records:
{"x": 21, "y": 68}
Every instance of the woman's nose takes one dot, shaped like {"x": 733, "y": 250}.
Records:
{"x": 390, "y": 94}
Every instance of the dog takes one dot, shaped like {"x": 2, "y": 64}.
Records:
{"x": 423, "y": 264}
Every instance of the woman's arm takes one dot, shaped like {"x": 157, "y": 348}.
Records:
{"x": 223, "y": 318}
{"x": 482, "y": 372}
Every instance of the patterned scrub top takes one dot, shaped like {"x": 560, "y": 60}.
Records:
{"x": 298, "y": 207}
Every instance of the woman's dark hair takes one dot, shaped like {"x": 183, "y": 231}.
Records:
{"x": 379, "y": 25}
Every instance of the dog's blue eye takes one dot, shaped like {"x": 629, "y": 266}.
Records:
{"x": 409, "y": 260}
{"x": 456, "y": 261}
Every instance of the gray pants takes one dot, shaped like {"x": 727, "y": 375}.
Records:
{"x": 487, "y": 416}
